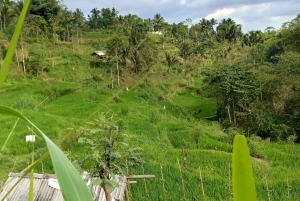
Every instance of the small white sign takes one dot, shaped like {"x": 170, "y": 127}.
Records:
{"x": 30, "y": 138}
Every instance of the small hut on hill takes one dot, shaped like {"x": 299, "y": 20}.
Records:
{"x": 100, "y": 54}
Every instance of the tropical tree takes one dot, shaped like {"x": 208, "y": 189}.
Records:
{"x": 142, "y": 50}
{"x": 170, "y": 60}
{"x": 109, "y": 156}
{"x": 189, "y": 23}
{"x": 207, "y": 27}
{"x": 93, "y": 19}
{"x": 79, "y": 18}
{"x": 157, "y": 22}
{"x": 235, "y": 92}
{"x": 6, "y": 12}
{"x": 115, "y": 46}
{"x": 185, "y": 51}
{"x": 228, "y": 32}
{"x": 254, "y": 39}
{"x": 49, "y": 11}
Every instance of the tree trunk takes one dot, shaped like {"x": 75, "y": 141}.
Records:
{"x": 112, "y": 81}
{"x": 17, "y": 59}
{"x": 228, "y": 109}
{"x": 185, "y": 153}
{"x": 68, "y": 33}
{"x": 77, "y": 39}
{"x": 184, "y": 67}
{"x": 107, "y": 192}
{"x": 23, "y": 57}
{"x": 233, "y": 112}
{"x": 118, "y": 73}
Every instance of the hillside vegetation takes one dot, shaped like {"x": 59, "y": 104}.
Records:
{"x": 181, "y": 98}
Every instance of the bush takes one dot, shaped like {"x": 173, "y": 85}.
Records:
{"x": 155, "y": 117}
{"x": 26, "y": 102}
{"x": 255, "y": 147}
{"x": 124, "y": 110}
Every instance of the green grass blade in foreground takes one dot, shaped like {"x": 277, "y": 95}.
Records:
{"x": 72, "y": 185}
{"x": 31, "y": 189}
{"x": 13, "y": 43}
{"x": 8, "y": 137}
{"x": 243, "y": 182}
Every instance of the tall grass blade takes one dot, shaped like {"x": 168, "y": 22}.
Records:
{"x": 13, "y": 44}
{"x": 72, "y": 185}
{"x": 8, "y": 137}
{"x": 23, "y": 173}
{"x": 243, "y": 182}
{"x": 31, "y": 189}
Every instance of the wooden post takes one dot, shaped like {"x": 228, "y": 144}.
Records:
{"x": 127, "y": 191}
{"x": 288, "y": 189}
{"x": 182, "y": 181}
{"x": 229, "y": 183}
{"x": 268, "y": 190}
{"x": 202, "y": 186}
{"x": 145, "y": 184}
{"x": 163, "y": 182}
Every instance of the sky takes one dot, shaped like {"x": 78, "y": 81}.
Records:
{"x": 251, "y": 14}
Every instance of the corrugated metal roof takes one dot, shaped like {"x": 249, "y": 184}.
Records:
{"x": 100, "y": 53}
{"x": 43, "y": 192}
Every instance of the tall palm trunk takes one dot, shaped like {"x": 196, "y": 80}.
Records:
{"x": 107, "y": 192}
{"x": 23, "y": 57}
{"x": 118, "y": 72}
{"x": 17, "y": 57}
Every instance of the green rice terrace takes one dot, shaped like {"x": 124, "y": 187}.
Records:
{"x": 181, "y": 107}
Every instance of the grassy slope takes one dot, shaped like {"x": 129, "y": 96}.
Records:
{"x": 71, "y": 98}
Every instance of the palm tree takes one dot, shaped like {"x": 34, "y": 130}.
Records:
{"x": 185, "y": 50}
{"x": 94, "y": 18}
{"x": 229, "y": 31}
{"x": 170, "y": 60}
{"x": 142, "y": 50}
{"x": 157, "y": 20}
{"x": 189, "y": 23}
{"x": 114, "y": 46}
{"x": 254, "y": 39}
{"x": 6, "y": 12}
{"x": 207, "y": 26}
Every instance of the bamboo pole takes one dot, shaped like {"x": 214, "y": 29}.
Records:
{"x": 268, "y": 190}
{"x": 182, "y": 180}
{"x": 145, "y": 184}
{"x": 201, "y": 180}
{"x": 163, "y": 182}
{"x": 229, "y": 182}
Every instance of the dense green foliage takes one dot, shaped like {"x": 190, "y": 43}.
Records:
{"x": 166, "y": 91}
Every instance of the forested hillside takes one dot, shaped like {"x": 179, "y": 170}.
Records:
{"x": 176, "y": 93}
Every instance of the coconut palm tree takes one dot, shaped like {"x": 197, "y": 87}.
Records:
{"x": 185, "y": 51}
{"x": 170, "y": 60}
{"x": 157, "y": 21}
{"x": 93, "y": 19}
{"x": 114, "y": 47}
{"x": 6, "y": 12}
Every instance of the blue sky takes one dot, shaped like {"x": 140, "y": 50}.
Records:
{"x": 252, "y": 14}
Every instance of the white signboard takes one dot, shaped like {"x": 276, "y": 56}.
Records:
{"x": 30, "y": 138}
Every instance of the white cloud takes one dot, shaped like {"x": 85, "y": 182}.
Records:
{"x": 252, "y": 14}
{"x": 221, "y": 13}
{"x": 183, "y": 2}
{"x": 263, "y": 7}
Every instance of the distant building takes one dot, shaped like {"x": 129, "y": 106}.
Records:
{"x": 46, "y": 188}
{"x": 157, "y": 32}
{"x": 100, "y": 54}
